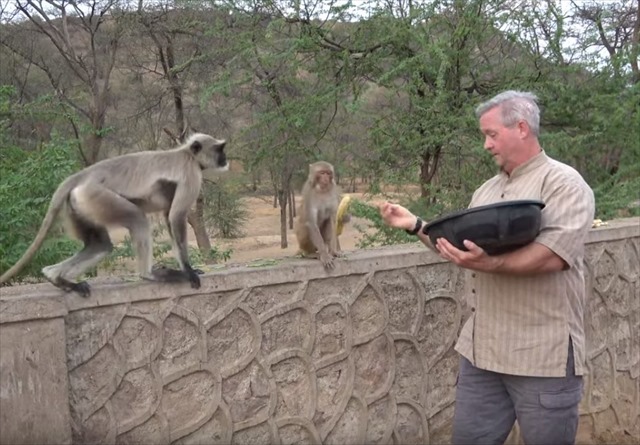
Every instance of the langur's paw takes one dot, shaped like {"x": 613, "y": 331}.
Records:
{"x": 82, "y": 288}
{"x": 194, "y": 279}
{"x": 192, "y": 273}
{"x": 327, "y": 261}
{"x": 168, "y": 275}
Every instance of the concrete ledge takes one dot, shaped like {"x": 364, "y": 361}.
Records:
{"x": 45, "y": 301}
{"x": 615, "y": 230}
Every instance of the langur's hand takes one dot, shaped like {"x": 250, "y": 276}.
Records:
{"x": 395, "y": 215}
{"x": 327, "y": 260}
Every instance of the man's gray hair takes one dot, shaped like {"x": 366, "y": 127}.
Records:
{"x": 514, "y": 107}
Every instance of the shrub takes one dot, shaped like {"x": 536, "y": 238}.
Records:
{"x": 224, "y": 211}
{"x": 28, "y": 182}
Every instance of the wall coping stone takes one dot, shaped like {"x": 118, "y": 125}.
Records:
{"x": 42, "y": 301}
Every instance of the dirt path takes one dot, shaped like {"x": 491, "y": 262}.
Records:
{"x": 262, "y": 233}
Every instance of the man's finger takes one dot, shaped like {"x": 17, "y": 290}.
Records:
{"x": 473, "y": 247}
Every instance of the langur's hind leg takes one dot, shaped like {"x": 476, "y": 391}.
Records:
{"x": 97, "y": 245}
{"x": 103, "y": 207}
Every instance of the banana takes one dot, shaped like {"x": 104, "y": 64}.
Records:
{"x": 342, "y": 209}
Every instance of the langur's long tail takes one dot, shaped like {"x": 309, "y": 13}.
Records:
{"x": 57, "y": 202}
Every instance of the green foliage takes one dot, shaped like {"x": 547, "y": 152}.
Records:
{"x": 618, "y": 198}
{"x": 28, "y": 182}
{"x": 197, "y": 258}
{"x": 387, "y": 93}
{"x": 115, "y": 261}
{"x": 224, "y": 211}
{"x": 382, "y": 234}
{"x": 604, "y": 145}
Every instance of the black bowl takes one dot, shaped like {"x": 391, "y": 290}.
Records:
{"x": 497, "y": 228}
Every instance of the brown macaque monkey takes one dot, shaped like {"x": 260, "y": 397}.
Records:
{"x": 315, "y": 226}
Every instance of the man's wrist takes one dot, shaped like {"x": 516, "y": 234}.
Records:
{"x": 416, "y": 228}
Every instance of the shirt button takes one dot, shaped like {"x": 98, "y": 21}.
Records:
{"x": 473, "y": 291}
{"x": 473, "y": 309}
{"x": 473, "y": 275}
{"x": 502, "y": 196}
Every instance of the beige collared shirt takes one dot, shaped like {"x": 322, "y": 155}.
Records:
{"x": 521, "y": 324}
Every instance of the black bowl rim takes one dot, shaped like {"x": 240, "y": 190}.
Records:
{"x": 513, "y": 203}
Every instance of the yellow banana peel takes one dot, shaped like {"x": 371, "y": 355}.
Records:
{"x": 342, "y": 209}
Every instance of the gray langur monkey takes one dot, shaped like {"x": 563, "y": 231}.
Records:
{"x": 120, "y": 192}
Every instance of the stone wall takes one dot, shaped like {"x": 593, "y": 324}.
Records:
{"x": 287, "y": 354}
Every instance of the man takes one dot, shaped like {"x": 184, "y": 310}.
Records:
{"x": 523, "y": 348}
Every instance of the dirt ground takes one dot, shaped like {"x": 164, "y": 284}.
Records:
{"x": 261, "y": 240}
{"x": 262, "y": 233}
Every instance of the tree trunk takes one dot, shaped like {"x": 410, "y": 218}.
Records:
{"x": 291, "y": 209}
{"x": 91, "y": 147}
{"x": 293, "y": 204}
{"x": 428, "y": 169}
{"x": 282, "y": 198}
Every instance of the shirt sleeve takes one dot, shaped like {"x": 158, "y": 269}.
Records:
{"x": 566, "y": 218}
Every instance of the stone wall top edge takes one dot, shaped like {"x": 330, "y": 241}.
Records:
{"x": 40, "y": 301}
{"x": 615, "y": 230}
{"x": 17, "y": 303}
{"x": 32, "y": 307}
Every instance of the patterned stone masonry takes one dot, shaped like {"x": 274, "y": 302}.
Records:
{"x": 362, "y": 358}
{"x": 290, "y": 354}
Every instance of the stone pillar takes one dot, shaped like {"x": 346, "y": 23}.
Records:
{"x": 34, "y": 397}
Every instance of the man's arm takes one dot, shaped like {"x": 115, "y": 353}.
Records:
{"x": 531, "y": 259}
{"x": 566, "y": 218}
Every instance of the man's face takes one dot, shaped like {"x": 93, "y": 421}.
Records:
{"x": 502, "y": 142}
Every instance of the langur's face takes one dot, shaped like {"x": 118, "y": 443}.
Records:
{"x": 210, "y": 152}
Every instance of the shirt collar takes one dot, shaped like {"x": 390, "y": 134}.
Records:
{"x": 530, "y": 165}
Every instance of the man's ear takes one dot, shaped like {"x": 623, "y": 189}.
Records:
{"x": 524, "y": 129}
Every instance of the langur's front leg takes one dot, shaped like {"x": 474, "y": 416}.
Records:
{"x": 176, "y": 249}
{"x": 178, "y": 225}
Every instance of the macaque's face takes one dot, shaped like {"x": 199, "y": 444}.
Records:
{"x": 324, "y": 178}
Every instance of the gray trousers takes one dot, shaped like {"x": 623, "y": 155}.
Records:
{"x": 488, "y": 403}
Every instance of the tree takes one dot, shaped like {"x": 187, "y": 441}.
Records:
{"x": 614, "y": 27}
{"x": 163, "y": 30}
{"x": 23, "y": 208}
{"x": 283, "y": 68}
{"x": 85, "y": 37}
